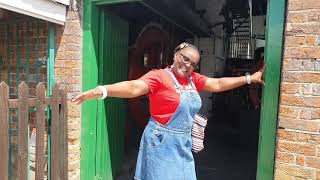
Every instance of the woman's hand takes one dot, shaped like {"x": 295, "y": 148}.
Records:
{"x": 79, "y": 98}
{"x": 90, "y": 94}
{"x": 257, "y": 76}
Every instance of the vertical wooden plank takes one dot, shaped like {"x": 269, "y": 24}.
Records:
{"x": 63, "y": 123}
{"x": 55, "y": 133}
{"x": 23, "y": 129}
{"x": 40, "y": 130}
{"x": 4, "y": 135}
{"x": 8, "y": 54}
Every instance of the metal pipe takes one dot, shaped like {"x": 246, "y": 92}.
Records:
{"x": 167, "y": 18}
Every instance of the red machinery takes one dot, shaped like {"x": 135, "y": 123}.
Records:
{"x": 149, "y": 52}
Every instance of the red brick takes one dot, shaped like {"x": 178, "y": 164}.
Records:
{"x": 297, "y": 124}
{"x": 73, "y": 110}
{"x": 285, "y": 157}
{"x": 72, "y": 64}
{"x": 315, "y": 114}
{"x": 301, "y": 77}
{"x": 59, "y": 71}
{"x": 303, "y": 101}
{"x": 72, "y": 55}
{"x": 313, "y": 162}
{"x": 303, "y": 5}
{"x": 292, "y": 41}
{"x": 290, "y": 171}
{"x": 302, "y": 52}
{"x": 308, "y": 138}
{"x": 307, "y": 89}
{"x": 73, "y": 39}
{"x": 289, "y": 88}
{"x": 296, "y": 17}
{"x": 304, "y": 28}
{"x": 289, "y": 111}
{"x": 311, "y": 40}
{"x": 72, "y": 47}
{"x": 313, "y": 16}
{"x": 300, "y": 160}
{"x": 286, "y": 135}
{"x": 305, "y": 113}
{"x": 72, "y": 80}
{"x": 58, "y": 63}
{"x": 298, "y": 148}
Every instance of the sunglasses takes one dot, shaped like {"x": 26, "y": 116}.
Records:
{"x": 187, "y": 60}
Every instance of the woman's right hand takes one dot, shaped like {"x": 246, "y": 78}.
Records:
{"x": 79, "y": 98}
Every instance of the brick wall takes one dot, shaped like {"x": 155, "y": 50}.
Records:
{"x": 68, "y": 71}
{"x": 23, "y": 43}
{"x": 26, "y": 44}
{"x": 298, "y": 148}
{"x": 68, "y": 39}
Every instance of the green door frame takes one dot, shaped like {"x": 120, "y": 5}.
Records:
{"x": 270, "y": 100}
{"x": 270, "y": 103}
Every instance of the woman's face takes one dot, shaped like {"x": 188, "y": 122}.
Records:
{"x": 185, "y": 61}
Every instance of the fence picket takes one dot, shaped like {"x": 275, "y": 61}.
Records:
{"x": 4, "y": 132}
{"x": 63, "y": 135}
{"x": 55, "y": 133}
{"x": 58, "y": 128}
{"x": 23, "y": 131}
{"x": 40, "y": 130}
{"x": 64, "y": 121}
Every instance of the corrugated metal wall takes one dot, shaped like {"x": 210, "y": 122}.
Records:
{"x": 113, "y": 67}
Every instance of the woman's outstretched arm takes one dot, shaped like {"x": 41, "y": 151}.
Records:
{"x": 124, "y": 89}
{"x": 227, "y": 83}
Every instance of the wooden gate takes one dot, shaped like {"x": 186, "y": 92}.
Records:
{"x": 55, "y": 107}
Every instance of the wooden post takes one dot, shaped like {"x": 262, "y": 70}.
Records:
{"x": 63, "y": 123}
{"x": 55, "y": 134}
{"x": 40, "y": 126}
{"x": 23, "y": 91}
{"x": 4, "y": 135}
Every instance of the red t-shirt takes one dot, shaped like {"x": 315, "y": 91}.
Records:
{"x": 163, "y": 97}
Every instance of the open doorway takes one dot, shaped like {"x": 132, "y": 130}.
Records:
{"x": 230, "y": 35}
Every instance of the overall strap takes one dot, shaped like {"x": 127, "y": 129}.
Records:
{"x": 177, "y": 84}
{"x": 192, "y": 84}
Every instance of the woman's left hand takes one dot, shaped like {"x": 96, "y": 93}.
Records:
{"x": 257, "y": 76}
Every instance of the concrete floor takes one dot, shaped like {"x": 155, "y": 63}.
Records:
{"x": 229, "y": 154}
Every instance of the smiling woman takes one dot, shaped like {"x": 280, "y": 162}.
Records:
{"x": 174, "y": 102}
{"x": 186, "y": 59}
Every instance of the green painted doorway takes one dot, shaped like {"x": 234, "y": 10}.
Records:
{"x": 97, "y": 158}
{"x": 105, "y": 62}
{"x": 111, "y": 116}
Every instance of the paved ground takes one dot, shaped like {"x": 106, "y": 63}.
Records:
{"x": 229, "y": 154}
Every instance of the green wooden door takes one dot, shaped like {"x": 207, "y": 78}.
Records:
{"x": 111, "y": 116}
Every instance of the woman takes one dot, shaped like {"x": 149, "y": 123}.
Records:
{"x": 165, "y": 147}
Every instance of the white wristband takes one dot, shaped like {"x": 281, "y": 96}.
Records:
{"x": 248, "y": 78}
{"x": 104, "y": 92}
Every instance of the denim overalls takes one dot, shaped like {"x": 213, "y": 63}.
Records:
{"x": 165, "y": 150}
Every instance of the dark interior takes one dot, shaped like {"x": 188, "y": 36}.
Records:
{"x": 232, "y": 134}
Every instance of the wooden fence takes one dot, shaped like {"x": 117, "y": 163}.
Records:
{"x": 57, "y": 105}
